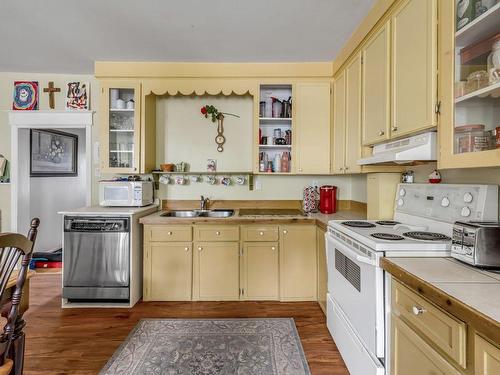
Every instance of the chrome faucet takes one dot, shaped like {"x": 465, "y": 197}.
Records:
{"x": 204, "y": 203}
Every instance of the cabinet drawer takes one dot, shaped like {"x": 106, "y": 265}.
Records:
{"x": 168, "y": 233}
{"x": 260, "y": 233}
{"x": 217, "y": 233}
{"x": 443, "y": 330}
{"x": 486, "y": 357}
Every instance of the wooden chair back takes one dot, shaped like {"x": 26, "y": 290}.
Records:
{"x": 13, "y": 247}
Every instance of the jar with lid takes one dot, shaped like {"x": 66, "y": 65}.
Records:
{"x": 471, "y": 138}
{"x": 493, "y": 63}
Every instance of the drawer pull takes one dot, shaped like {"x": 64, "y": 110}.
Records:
{"x": 381, "y": 133}
{"x": 169, "y": 233}
{"x": 200, "y": 248}
{"x": 285, "y": 231}
{"x": 394, "y": 128}
{"x": 217, "y": 233}
{"x": 261, "y": 233}
{"x": 273, "y": 248}
{"x": 186, "y": 249}
{"x": 417, "y": 310}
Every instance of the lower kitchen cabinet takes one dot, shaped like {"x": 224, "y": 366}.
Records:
{"x": 260, "y": 271}
{"x": 216, "y": 271}
{"x": 487, "y": 357}
{"x": 322, "y": 269}
{"x": 298, "y": 263}
{"x": 168, "y": 271}
{"x": 411, "y": 355}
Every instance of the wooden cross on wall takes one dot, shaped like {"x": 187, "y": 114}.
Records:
{"x": 51, "y": 90}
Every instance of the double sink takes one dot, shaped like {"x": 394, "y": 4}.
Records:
{"x": 198, "y": 213}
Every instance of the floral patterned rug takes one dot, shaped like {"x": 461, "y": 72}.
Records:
{"x": 210, "y": 347}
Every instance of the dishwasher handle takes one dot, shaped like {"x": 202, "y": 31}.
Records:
{"x": 97, "y": 224}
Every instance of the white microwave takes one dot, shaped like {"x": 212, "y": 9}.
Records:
{"x": 125, "y": 193}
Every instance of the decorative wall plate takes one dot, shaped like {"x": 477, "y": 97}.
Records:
{"x": 25, "y": 95}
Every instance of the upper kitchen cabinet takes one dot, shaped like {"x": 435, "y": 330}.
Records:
{"x": 127, "y": 142}
{"x": 376, "y": 60}
{"x": 414, "y": 66}
{"x": 120, "y": 127}
{"x": 347, "y": 118}
{"x": 469, "y": 84}
{"x": 312, "y": 110}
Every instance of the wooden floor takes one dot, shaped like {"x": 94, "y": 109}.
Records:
{"x": 80, "y": 341}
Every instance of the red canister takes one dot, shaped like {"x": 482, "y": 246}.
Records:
{"x": 328, "y": 199}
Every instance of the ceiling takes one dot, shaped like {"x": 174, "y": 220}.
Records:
{"x": 67, "y": 36}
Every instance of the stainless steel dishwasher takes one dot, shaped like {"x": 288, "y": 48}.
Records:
{"x": 96, "y": 258}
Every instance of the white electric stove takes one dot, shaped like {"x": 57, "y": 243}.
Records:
{"x": 422, "y": 226}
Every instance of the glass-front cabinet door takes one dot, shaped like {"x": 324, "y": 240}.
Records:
{"x": 120, "y": 127}
{"x": 471, "y": 73}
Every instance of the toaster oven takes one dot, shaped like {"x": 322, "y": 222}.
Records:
{"x": 477, "y": 243}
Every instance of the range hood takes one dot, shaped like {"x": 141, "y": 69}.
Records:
{"x": 404, "y": 151}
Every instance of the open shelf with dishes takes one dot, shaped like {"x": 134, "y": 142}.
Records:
{"x": 275, "y": 129}
{"x": 477, "y": 77}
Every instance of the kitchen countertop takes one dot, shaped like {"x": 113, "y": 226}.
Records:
{"x": 98, "y": 210}
{"x": 464, "y": 291}
{"x": 314, "y": 218}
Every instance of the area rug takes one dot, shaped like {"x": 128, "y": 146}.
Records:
{"x": 210, "y": 347}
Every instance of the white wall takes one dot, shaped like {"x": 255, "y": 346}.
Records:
{"x": 183, "y": 134}
{"x": 49, "y": 195}
{"x": 6, "y": 89}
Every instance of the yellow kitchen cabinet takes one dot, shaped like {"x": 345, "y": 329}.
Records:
{"x": 381, "y": 190}
{"x": 353, "y": 116}
{"x": 414, "y": 67}
{"x": 298, "y": 264}
{"x": 476, "y": 107}
{"x": 347, "y": 119}
{"x": 312, "y": 111}
{"x": 168, "y": 271}
{"x": 338, "y": 141}
{"x": 128, "y": 128}
{"x": 260, "y": 271}
{"x": 486, "y": 357}
{"x": 216, "y": 275}
{"x": 411, "y": 355}
{"x": 376, "y": 60}
{"x": 322, "y": 270}
{"x": 120, "y": 127}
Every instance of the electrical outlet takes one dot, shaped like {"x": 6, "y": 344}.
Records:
{"x": 315, "y": 183}
{"x": 258, "y": 185}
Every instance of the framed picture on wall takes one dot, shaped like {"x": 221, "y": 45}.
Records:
{"x": 53, "y": 153}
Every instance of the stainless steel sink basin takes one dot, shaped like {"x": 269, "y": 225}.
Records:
{"x": 181, "y": 213}
{"x": 198, "y": 213}
{"x": 219, "y": 213}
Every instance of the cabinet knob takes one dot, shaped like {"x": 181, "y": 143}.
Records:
{"x": 394, "y": 128}
{"x": 300, "y": 169}
{"x": 285, "y": 231}
{"x": 381, "y": 132}
{"x": 341, "y": 169}
{"x": 346, "y": 168}
{"x": 261, "y": 233}
{"x": 135, "y": 169}
{"x": 217, "y": 233}
{"x": 200, "y": 248}
{"x": 186, "y": 249}
{"x": 169, "y": 233}
{"x": 417, "y": 310}
{"x": 273, "y": 247}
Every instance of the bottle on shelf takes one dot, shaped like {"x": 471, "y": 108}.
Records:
{"x": 277, "y": 163}
{"x": 285, "y": 161}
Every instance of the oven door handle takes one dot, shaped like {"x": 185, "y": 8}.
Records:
{"x": 354, "y": 254}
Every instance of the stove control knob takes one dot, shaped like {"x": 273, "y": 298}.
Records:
{"x": 465, "y": 211}
{"x": 401, "y": 202}
{"x": 445, "y": 202}
{"x": 402, "y": 192}
{"x": 468, "y": 197}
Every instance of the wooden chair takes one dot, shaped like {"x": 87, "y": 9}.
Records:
{"x": 12, "y": 248}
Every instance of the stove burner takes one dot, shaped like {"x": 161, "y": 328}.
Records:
{"x": 358, "y": 224}
{"x": 387, "y": 236}
{"x": 427, "y": 236}
{"x": 387, "y": 222}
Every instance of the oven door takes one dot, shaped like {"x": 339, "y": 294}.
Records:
{"x": 355, "y": 283}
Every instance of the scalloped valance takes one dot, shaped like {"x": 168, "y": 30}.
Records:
{"x": 200, "y": 87}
